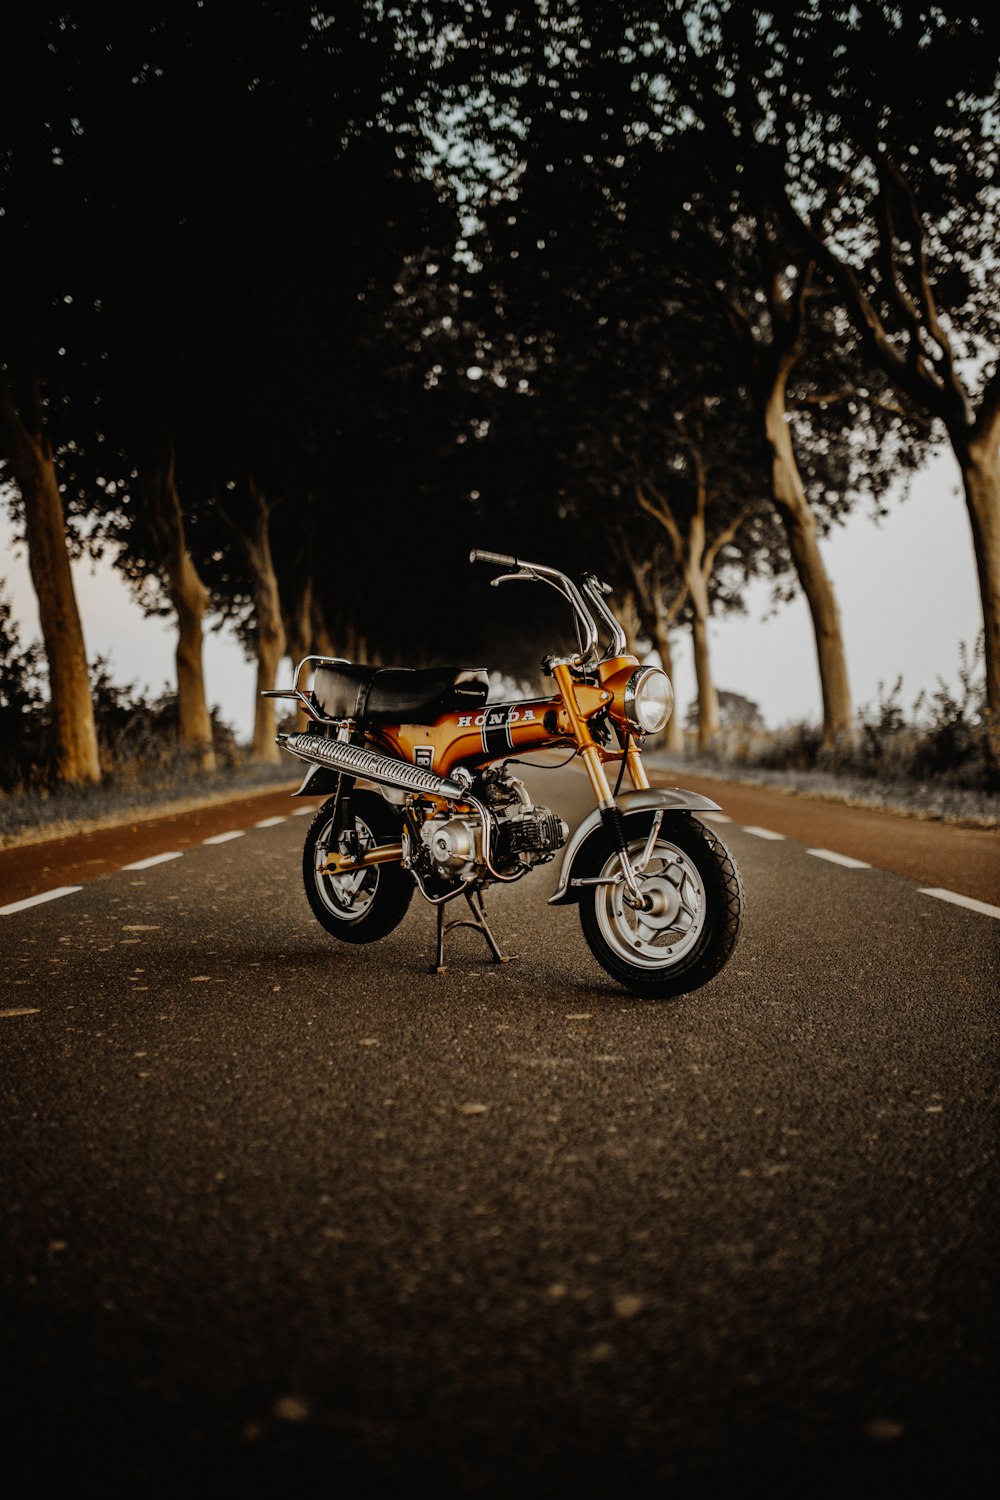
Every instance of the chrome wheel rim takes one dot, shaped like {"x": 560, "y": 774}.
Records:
{"x": 665, "y": 934}
{"x": 346, "y": 897}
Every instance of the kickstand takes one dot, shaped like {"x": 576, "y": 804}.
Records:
{"x": 478, "y": 908}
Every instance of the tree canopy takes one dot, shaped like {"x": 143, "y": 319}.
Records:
{"x": 407, "y": 278}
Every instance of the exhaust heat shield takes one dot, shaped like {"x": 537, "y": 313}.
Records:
{"x": 370, "y": 765}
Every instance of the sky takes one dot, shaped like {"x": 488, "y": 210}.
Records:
{"x": 907, "y": 590}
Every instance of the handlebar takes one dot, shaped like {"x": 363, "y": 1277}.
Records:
{"x": 596, "y": 592}
{"x": 499, "y": 558}
{"x": 592, "y": 588}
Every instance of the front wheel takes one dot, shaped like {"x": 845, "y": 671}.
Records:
{"x": 358, "y": 906}
{"x": 691, "y": 925}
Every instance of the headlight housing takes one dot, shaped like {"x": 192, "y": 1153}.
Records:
{"x": 649, "y": 700}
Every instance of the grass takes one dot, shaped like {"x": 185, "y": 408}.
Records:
{"x": 30, "y": 816}
{"x": 932, "y": 798}
{"x": 934, "y": 760}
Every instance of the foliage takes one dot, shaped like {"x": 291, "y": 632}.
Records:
{"x": 736, "y": 711}
{"x": 942, "y": 738}
{"x": 954, "y": 732}
{"x": 25, "y": 727}
{"x": 435, "y": 274}
{"x": 137, "y": 734}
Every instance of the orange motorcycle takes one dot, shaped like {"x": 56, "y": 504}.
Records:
{"x": 421, "y": 796}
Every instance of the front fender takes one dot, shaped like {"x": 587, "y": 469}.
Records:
{"x": 583, "y": 845}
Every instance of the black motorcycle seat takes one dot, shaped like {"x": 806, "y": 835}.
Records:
{"x": 397, "y": 695}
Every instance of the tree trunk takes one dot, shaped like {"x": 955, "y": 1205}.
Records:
{"x": 789, "y": 497}
{"x": 656, "y": 620}
{"x": 298, "y": 620}
{"x": 709, "y": 723}
{"x": 33, "y": 470}
{"x": 980, "y": 466}
{"x": 629, "y": 617}
{"x": 321, "y": 637}
{"x": 189, "y": 597}
{"x": 673, "y": 735}
{"x": 270, "y": 630}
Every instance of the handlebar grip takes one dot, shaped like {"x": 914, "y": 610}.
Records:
{"x": 501, "y": 559}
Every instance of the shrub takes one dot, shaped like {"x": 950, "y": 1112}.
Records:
{"x": 955, "y": 738}
{"x": 25, "y": 724}
{"x": 943, "y": 737}
{"x": 137, "y": 736}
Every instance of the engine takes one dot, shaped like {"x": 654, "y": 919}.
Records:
{"x": 520, "y": 836}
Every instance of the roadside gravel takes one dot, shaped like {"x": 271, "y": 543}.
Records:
{"x": 929, "y": 800}
{"x": 32, "y": 818}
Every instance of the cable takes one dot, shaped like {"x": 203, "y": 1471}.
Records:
{"x": 621, "y": 768}
{"x": 535, "y": 765}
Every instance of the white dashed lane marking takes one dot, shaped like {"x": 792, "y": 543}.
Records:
{"x": 847, "y": 860}
{"x": 154, "y": 859}
{"x": 62, "y": 890}
{"x": 840, "y": 859}
{"x": 968, "y": 901}
{"x": 983, "y": 907}
{"x": 144, "y": 864}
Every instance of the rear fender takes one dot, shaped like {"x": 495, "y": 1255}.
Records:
{"x": 585, "y": 849}
{"x": 319, "y": 781}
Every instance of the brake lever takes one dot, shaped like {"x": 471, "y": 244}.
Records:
{"x": 597, "y": 584}
{"x": 512, "y": 578}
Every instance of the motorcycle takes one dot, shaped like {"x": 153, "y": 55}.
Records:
{"x": 416, "y": 765}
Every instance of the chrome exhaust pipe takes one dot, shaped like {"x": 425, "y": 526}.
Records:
{"x": 370, "y": 765}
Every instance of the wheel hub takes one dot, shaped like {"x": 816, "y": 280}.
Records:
{"x": 664, "y": 902}
{"x": 350, "y": 893}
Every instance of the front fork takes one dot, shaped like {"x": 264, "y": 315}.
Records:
{"x": 611, "y": 816}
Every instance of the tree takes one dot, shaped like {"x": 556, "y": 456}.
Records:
{"x": 697, "y": 190}
{"x": 699, "y": 529}
{"x": 627, "y": 195}
{"x": 250, "y": 520}
{"x": 235, "y": 341}
{"x": 161, "y": 513}
{"x": 46, "y": 362}
{"x": 24, "y": 727}
{"x": 736, "y": 711}
{"x": 872, "y": 130}
{"x": 27, "y": 453}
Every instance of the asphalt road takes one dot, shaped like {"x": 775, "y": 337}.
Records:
{"x": 287, "y": 1218}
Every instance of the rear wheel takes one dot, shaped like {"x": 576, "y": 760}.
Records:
{"x": 358, "y": 906}
{"x": 691, "y": 925}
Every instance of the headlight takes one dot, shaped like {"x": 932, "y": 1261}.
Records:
{"x": 649, "y": 700}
